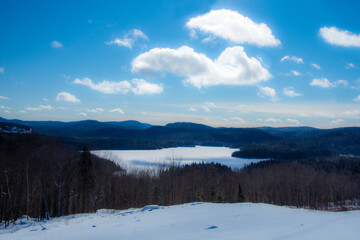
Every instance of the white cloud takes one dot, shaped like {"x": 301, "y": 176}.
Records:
{"x": 238, "y": 119}
{"x": 2, "y": 70}
{"x": 64, "y": 96}
{"x": 67, "y": 77}
{"x": 337, "y": 121}
{"x": 7, "y": 111}
{"x": 22, "y": 111}
{"x": 232, "y": 67}
{"x": 210, "y": 104}
{"x": 233, "y": 26}
{"x": 295, "y": 73}
{"x": 83, "y": 114}
{"x": 293, "y": 59}
{"x": 341, "y": 82}
{"x": 40, "y": 108}
{"x": 129, "y": 38}
{"x": 122, "y": 42}
{"x": 267, "y": 92}
{"x": 193, "y": 34}
{"x": 290, "y": 92}
{"x": 273, "y": 120}
{"x": 96, "y": 110}
{"x": 5, "y": 98}
{"x": 117, "y": 110}
{"x": 293, "y": 121}
{"x": 206, "y": 109}
{"x": 105, "y": 86}
{"x": 3, "y": 107}
{"x": 323, "y": 83}
{"x": 193, "y": 109}
{"x": 357, "y": 99}
{"x": 209, "y": 39}
{"x": 339, "y": 37}
{"x": 314, "y": 65}
{"x": 45, "y": 99}
{"x": 349, "y": 65}
{"x": 56, "y": 44}
{"x": 143, "y": 87}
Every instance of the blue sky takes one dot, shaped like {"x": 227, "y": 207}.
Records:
{"x": 221, "y": 63}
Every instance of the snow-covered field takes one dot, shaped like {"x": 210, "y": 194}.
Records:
{"x": 184, "y": 155}
{"x": 195, "y": 221}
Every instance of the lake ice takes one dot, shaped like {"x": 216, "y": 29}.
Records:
{"x": 130, "y": 159}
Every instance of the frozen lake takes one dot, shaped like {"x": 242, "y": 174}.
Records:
{"x": 130, "y": 159}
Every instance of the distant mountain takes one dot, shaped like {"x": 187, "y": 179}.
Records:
{"x": 8, "y": 127}
{"x": 131, "y": 124}
{"x": 137, "y": 135}
{"x": 289, "y": 130}
{"x": 76, "y": 128}
{"x": 188, "y": 125}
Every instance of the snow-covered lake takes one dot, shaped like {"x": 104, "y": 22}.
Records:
{"x": 130, "y": 159}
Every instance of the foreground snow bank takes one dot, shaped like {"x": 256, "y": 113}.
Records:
{"x": 194, "y": 221}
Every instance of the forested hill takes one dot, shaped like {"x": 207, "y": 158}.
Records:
{"x": 137, "y": 135}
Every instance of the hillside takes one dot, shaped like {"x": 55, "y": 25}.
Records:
{"x": 194, "y": 221}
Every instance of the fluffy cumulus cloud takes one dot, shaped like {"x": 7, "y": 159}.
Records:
{"x": 267, "y": 92}
{"x": 64, "y": 96}
{"x": 290, "y": 92}
{"x": 233, "y": 26}
{"x": 232, "y": 67}
{"x": 293, "y": 59}
{"x": 339, "y": 37}
{"x": 117, "y": 110}
{"x": 105, "y": 86}
{"x": 143, "y": 87}
{"x": 317, "y": 66}
{"x": 40, "y": 108}
{"x": 129, "y": 39}
{"x": 325, "y": 83}
{"x": 56, "y": 44}
{"x": 139, "y": 87}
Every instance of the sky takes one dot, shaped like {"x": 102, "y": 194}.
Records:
{"x": 246, "y": 63}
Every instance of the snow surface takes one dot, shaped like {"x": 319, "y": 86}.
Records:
{"x": 183, "y": 155}
{"x": 194, "y": 221}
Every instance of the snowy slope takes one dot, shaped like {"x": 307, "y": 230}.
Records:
{"x": 195, "y": 221}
